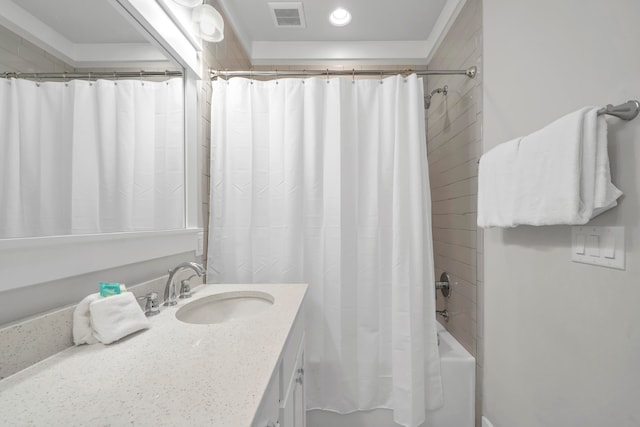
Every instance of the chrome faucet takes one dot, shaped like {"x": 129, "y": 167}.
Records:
{"x": 170, "y": 288}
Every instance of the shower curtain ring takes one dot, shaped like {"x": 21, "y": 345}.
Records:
{"x": 353, "y": 75}
{"x": 141, "y": 81}
{"x": 327, "y": 76}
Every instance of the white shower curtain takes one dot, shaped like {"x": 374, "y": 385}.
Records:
{"x": 90, "y": 157}
{"x": 325, "y": 182}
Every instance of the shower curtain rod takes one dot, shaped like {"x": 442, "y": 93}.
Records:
{"x": 214, "y": 74}
{"x": 92, "y": 75}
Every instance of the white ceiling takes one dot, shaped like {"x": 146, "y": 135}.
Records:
{"x": 381, "y": 31}
{"x": 94, "y": 33}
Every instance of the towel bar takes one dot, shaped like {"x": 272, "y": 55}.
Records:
{"x": 627, "y": 111}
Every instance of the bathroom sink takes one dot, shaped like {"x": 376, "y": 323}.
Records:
{"x": 226, "y": 306}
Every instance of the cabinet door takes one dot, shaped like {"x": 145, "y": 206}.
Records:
{"x": 292, "y": 411}
{"x": 299, "y": 414}
{"x": 287, "y": 417}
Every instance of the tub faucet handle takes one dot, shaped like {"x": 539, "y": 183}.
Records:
{"x": 444, "y": 284}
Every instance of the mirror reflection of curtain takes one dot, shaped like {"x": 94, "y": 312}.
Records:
{"x": 326, "y": 182}
{"x": 90, "y": 157}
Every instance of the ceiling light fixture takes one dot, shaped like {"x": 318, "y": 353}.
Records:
{"x": 188, "y": 3}
{"x": 340, "y": 17}
{"x": 209, "y": 23}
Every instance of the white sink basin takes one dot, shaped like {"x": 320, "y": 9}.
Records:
{"x": 224, "y": 307}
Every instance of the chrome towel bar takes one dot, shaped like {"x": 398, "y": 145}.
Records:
{"x": 627, "y": 111}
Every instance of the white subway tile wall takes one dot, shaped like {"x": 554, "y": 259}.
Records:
{"x": 454, "y": 146}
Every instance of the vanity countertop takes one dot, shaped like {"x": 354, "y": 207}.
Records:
{"x": 171, "y": 374}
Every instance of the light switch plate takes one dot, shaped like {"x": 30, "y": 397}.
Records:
{"x": 609, "y": 251}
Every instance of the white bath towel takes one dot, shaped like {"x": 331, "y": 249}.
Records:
{"x": 82, "y": 330}
{"x": 557, "y": 175}
{"x": 496, "y": 186}
{"x": 117, "y": 316}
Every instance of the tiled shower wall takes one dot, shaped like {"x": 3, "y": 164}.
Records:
{"x": 454, "y": 146}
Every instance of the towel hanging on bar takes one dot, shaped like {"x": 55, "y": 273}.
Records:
{"x": 556, "y": 175}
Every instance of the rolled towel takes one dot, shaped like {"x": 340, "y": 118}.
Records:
{"x": 115, "y": 317}
{"x": 82, "y": 330}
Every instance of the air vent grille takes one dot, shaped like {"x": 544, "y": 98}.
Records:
{"x": 287, "y": 14}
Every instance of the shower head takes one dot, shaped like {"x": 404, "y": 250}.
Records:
{"x": 427, "y": 99}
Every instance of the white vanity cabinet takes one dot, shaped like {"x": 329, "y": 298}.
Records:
{"x": 283, "y": 403}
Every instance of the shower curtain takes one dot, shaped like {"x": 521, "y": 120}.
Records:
{"x": 325, "y": 181}
{"x": 84, "y": 157}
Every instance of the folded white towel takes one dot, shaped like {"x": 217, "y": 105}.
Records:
{"x": 557, "y": 175}
{"x": 115, "y": 317}
{"x": 82, "y": 330}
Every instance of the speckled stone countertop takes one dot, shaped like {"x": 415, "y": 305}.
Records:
{"x": 172, "y": 374}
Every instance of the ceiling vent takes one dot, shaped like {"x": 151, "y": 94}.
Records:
{"x": 287, "y": 14}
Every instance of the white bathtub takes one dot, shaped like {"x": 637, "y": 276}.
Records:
{"x": 458, "y": 370}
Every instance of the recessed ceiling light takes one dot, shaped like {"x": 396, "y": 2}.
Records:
{"x": 340, "y": 17}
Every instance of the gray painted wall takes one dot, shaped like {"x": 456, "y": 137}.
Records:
{"x": 562, "y": 340}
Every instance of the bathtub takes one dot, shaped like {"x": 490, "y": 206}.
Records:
{"x": 458, "y": 369}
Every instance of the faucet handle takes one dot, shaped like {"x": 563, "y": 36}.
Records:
{"x": 185, "y": 287}
{"x": 151, "y": 306}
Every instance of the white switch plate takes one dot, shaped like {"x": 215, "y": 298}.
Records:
{"x": 610, "y": 251}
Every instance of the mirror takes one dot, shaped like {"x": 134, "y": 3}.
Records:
{"x": 66, "y": 141}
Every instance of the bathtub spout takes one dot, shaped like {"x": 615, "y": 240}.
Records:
{"x": 444, "y": 314}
